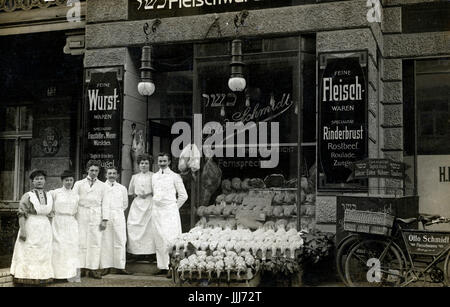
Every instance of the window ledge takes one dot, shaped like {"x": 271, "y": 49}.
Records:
{"x": 8, "y": 205}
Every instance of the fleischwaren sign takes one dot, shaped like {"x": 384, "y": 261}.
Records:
{"x": 149, "y": 9}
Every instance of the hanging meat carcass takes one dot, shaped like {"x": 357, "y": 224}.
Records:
{"x": 210, "y": 181}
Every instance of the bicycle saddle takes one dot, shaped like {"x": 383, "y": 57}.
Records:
{"x": 407, "y": 221}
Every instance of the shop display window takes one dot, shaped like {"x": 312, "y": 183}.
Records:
{"x": 432, "y": 90}
{"x": 269, "y": 110}
{"x": 15, "y": 151}
{"x": 426, "y": 109}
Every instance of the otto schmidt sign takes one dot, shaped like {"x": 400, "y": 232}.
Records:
{"x": 342, "y": 124}
{"x": 147, "y": 9}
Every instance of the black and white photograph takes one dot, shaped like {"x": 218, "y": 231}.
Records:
{"x": 223, "y": 147}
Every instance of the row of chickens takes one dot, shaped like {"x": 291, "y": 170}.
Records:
{"x": 236, "y": 185}
{"x": 218, "y": 250}
{"x": 230, "y": 210}
{"x": 231, "y": 223}
{"x": 218, "y": 261}
{"x": 288, "y": 197}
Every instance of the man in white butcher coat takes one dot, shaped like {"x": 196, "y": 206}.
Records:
{"x": 169, "y": 194}
{"x": 114, "y": 240}
{"x": 92, "y": 216}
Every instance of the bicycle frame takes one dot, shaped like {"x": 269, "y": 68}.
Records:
{"x": 418, "y": 273}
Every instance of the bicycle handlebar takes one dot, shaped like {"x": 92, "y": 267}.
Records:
{"x": 439, "y": 220}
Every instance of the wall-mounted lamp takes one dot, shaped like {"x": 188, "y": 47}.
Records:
{"x": 237, "y": 82}
{"x": 146, "y": 87}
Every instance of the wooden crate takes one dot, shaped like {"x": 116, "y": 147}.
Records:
{"x": 202, "y": 281}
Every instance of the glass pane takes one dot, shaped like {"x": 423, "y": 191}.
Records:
{"x": 433, "y": 106}
{"x": 26, "y": 118}
{"x": 279, "y": 44}
{"x": 8, "y": 119}
{"x": 25, "y": 167}
{"x": 309, "y": 98}
{"x": 173, "y": 95}
{"x": 7, "y": 162}
{"x": 268, "y": 102}
{"x": 270, "y": 95}
{"x": 426, "y": 66}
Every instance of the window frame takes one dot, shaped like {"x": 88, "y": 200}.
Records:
{"x": 19, "y": 164}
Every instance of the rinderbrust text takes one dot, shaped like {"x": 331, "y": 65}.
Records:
{"x": 213, "y": 139}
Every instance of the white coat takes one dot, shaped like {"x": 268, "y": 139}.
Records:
{"x": 113, "y": 253}
{"x": 65, "y": 258}
{"x": 91, "y": 211}
{"x": 165, "y": 218}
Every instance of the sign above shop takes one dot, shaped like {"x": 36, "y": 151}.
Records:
{"x": 148, "y": 9}
{"x": 102, "y": 117}
{"x": 342, "y": 125}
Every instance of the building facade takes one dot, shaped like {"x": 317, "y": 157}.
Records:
{"x": 384, "y": 70}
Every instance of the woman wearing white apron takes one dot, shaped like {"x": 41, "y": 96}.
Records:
{"x": 140, "y": 239}
{"x": 32, "y": 257}
{"x": 65, "y": 258}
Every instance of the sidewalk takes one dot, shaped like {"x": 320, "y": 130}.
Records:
{"x": 143, "y": 276}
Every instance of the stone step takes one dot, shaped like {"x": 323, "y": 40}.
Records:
{"x": 4, "y": 272}
{"x": 6, "y": 279}
{"x": 115, "y": 280}
{"x": 142, "y": 268}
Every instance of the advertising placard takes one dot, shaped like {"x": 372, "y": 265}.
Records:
{"x": 342, "y": 124}
{"x": 429, "y": 243}
{"x": 102, "y": 117}
{"x": 377, "y": 168}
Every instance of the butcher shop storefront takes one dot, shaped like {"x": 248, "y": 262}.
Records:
{"x": 279, "y": 100}
{"x": 248, "y": 140}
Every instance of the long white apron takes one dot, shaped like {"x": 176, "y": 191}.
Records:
{"x": 65, "y": 236}
{"x": 165, "y": 225}
{"x": 90, "y": 236}
{"x": 115, "y": 235}
{"x": 140, "y": 237}
{"x": 32, "y": 259}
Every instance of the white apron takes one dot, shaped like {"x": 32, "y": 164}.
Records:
{"x": 165, "y": 225}
{"x": 140, "y": 238}
{"x": 32, "y": 259}
{"x": 114, "y": 239}
{"x": 89, "y": 217}
{"x": 65, "y": 234}
{"x": 89, "y": 220}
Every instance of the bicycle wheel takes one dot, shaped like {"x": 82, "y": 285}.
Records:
{"x": 373, "y": 263}
{"x": 342, "y": 252}
{"x": 447, "y": 270}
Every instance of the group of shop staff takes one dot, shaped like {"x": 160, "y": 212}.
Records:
{"x": 71, "y": 232}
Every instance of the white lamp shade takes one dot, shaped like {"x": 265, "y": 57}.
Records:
{"x": 237, "y": 84}
{"x": 146, "y": 88}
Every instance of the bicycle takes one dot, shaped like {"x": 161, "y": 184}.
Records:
{"x": 342, "y": 250}
{"x": 404, "y": 257}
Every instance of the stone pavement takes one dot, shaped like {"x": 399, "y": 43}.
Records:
{"x": 143, "y": 276}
